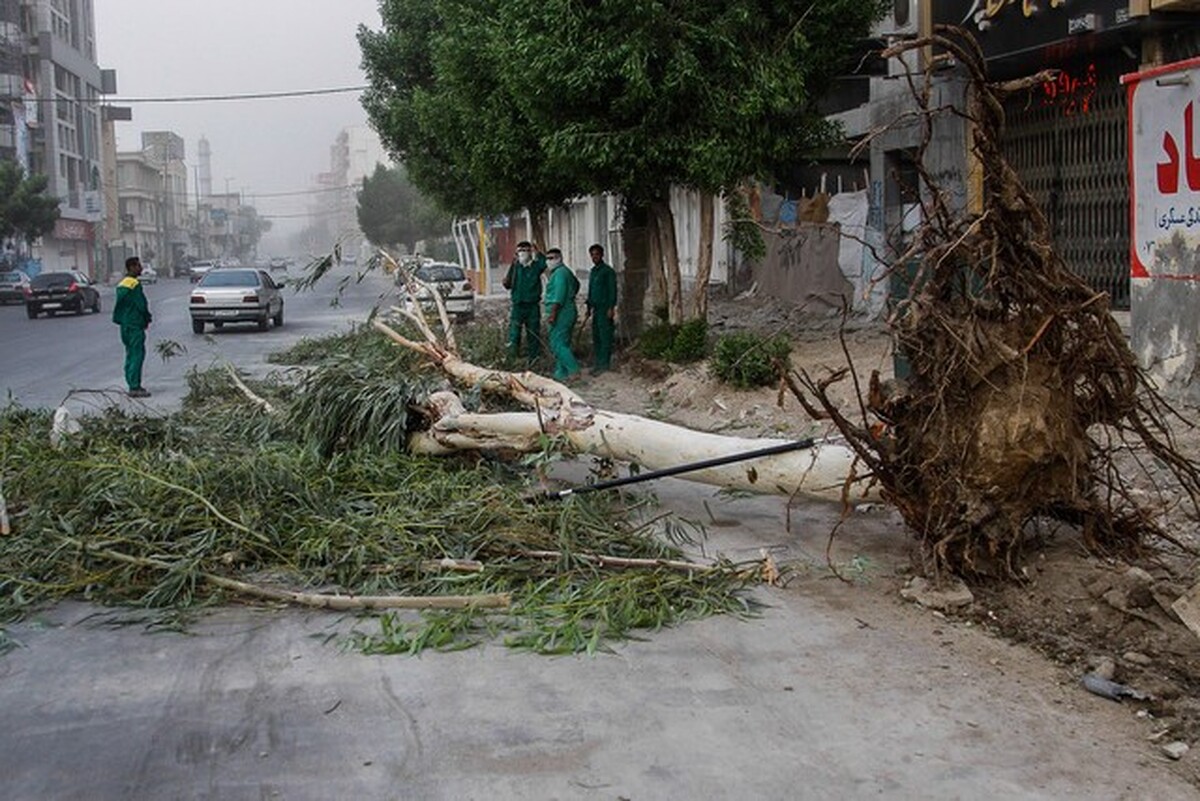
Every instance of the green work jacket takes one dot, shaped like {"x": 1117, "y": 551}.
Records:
{"x": 524, "y": 281}
{"x": 131, "y": 309}
{"x": 602, "y": 288}
{"x": 562, "y": 288}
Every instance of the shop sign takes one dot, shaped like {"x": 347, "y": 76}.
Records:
{"x": 72, "y": 229}
{"x": 1009, "y": 27}
{"x": 1164, "y": 171}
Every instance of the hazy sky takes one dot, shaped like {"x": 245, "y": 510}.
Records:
{"x": 165, "y": 48}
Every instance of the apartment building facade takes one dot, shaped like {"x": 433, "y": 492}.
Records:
{"x": 51, "y": 86}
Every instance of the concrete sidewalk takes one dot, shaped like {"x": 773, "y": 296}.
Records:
{"x": 836, "y": 691}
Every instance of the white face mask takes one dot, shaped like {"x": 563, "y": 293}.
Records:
{"x": 523, "y": 256}
{"x": 554, "y": 262}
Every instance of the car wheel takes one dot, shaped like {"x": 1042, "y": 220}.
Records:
{"x": 96, "y": 306}
{"x": 278, "y": 318}
{"x": 263, "y": 322}
{"x": 79, "y": 306}
{"x": 197, "y": 326}
{"x": 32, "y": 312}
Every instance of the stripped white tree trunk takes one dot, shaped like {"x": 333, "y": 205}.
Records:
{"x": 821, "y": 471}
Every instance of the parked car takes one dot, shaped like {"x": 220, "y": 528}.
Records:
{"x": 451, "y": 283}
{"x": 12, "y": 286}
{"x": 149, "y": 275}
{"x": 199, "y": 269}
{"x": 236, "y": 295}
{"x": 63, "y": 291}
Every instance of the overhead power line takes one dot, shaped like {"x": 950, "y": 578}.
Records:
{"x": 103, "y": 100}
{"x": 252, "y": 96}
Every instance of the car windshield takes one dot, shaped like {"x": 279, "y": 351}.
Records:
{"x": 440, "y": 272}
{"x": 11, "y": 277}
{"x": 46, "y": 280}
{"x": 230, "y": 278}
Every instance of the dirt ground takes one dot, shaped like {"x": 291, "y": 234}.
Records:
{"x": 1083, "y": 611}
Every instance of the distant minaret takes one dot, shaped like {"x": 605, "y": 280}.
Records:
{"x": 204, "y": 154}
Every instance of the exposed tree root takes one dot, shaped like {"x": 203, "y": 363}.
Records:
{"x": 1023, "y": 388}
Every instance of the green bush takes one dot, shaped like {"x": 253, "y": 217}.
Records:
{"x": 655, "y": 342}
{"x": 690, "y": 343}
{"x": 675, "y": 343}
{"x": 748, "y": 360}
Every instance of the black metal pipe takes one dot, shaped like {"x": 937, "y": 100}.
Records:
{"x": 716, "y": 461}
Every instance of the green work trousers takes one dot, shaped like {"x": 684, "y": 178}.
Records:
{"x": 134, "y": 340}
{"x": 602, "y": 340}
{"x": 565, "y": 365}
{"x": 525, "y": 316}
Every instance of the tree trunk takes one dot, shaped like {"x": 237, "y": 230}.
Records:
{"x": 537, "y": 228}
{"x": 819, "y": 472}
{"x": 635, "y": 274}
{"x": 822, "y": 471}
{"x": 664, "y": 218}
{"x": 704, "y": 256}
{"x": 658, "y": 277}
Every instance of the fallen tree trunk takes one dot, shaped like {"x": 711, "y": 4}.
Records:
{"x": 823, "y": 471}
{"x": 820, "y": 471}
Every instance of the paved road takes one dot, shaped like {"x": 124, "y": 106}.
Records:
{"x": 42, "y": 360}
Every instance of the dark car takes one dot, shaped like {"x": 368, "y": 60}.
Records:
{"x": 13, "y": 284}
{"x": 57, "y": 292}
{"x": 236, "y": 295}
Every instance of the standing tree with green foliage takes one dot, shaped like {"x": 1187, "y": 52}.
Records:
{"x": 391, "y": 211}
{"x": 27, "y": 211}
{"x": 530, "y": 102}
{"x": 436, "y": 100}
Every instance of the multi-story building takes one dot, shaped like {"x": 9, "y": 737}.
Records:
{"x": 64, "y": 142}
{"x": 352, "y": 157}
{"x": 152, "y": 194}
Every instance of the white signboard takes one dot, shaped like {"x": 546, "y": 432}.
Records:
{"x": 1164, "y": 165}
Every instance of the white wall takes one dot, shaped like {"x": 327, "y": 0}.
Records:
{"x": 595, "y": 219}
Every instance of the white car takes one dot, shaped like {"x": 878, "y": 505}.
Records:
{"x": 149, "y": 275}
{"x": 199, "y": 269}
{"x": 236, "y": 295}
{"x": 451, "y": 282}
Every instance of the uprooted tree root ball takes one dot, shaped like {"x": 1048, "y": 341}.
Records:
{"x": 1023, "y": 389}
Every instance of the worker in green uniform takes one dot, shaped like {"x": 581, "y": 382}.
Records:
{"x": 132, "y": 313}
{"x": 561, "y": 314}
{"x": 602, "y": 308}
{"x": 524, "y": 283}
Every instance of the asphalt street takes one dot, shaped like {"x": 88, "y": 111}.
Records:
{"x": 42, "y": 360}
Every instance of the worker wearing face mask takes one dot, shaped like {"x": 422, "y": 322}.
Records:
{"x": 561, "y": 314}
{"x": 524, "y": 284}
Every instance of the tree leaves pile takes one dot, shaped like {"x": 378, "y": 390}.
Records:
{"x": 223, "y": 489}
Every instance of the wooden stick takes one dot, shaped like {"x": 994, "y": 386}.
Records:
{"x": 622, "y": 561}
{"x": 5, "y": 528}
{"x": 458, "y": 565}
{"x": 263, "y": 402}
{"x": 339, "y": 603}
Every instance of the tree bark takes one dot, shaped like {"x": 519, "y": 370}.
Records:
{"x": 819, "y": 472}
{"x": 658, "y": 276}
{"x": 664, "y": 219}
{"x": 537, "y": 228}
{"x": 704, "y": 256}
{"x": 822, "y": 471}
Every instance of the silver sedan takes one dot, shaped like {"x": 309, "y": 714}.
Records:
{"x": 236, "y": 295}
